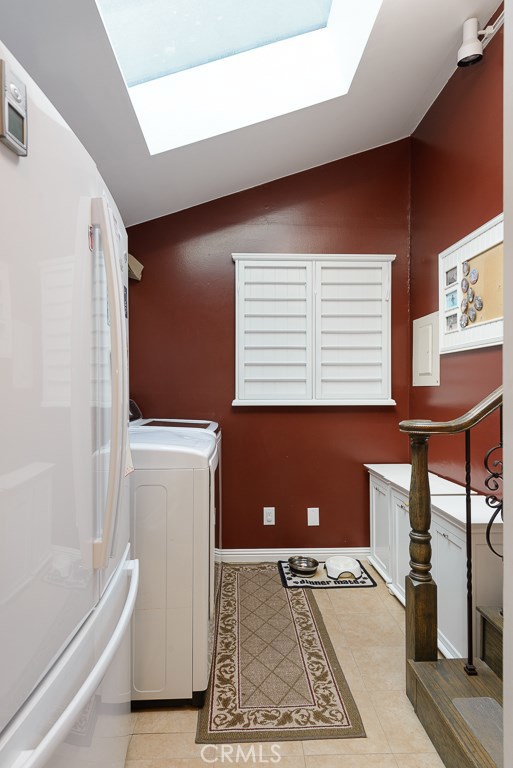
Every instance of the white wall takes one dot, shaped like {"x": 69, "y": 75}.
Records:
{"x": 508, "y": 385}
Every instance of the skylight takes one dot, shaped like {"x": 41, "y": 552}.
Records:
{"x": 154, "y": 38}
{"x": 199, "y": 68}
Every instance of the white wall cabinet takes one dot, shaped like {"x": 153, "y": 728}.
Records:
{"x": 389, "y": 501}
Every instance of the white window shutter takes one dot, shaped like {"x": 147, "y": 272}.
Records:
{"x": 274, "y": 330}
{"x": 313, "y": 329}
{"x": 352, "y": 330}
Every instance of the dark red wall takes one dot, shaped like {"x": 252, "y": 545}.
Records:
{"x": 182, "y": 345}
{"x": 182, "y": 334}
{"x": 456, "y": 187}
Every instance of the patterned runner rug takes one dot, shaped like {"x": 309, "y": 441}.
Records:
{"x": 275, "y": 675}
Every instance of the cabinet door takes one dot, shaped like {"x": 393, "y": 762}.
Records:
{"x": 401, "y": 543}
{"x": 380, "y": 528}
{"x": 450, "y": 574}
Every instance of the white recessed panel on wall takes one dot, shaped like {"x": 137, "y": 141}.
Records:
{"x": 426, "y": 353}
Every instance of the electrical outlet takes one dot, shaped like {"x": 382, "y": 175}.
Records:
{"x": 268, "y": 515}
{"x": 313, "y": 515}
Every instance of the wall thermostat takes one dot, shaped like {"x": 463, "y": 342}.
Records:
{"x": 13, "y": 110}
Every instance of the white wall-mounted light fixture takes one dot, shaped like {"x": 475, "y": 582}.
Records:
{"x": 475, "y": 39}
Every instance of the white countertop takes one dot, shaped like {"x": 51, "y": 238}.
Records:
{"x": 453, "y": 508}
{"x": 399, "y": 475}
{"x": 447, "y": 498}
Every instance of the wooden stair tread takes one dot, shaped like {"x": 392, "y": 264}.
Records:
{"x": 450, "y": 676}
{"x": 438, "y": 683}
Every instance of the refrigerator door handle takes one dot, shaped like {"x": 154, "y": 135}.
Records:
{"x": 37, "y": 757}
{"x": 102, "y": 545}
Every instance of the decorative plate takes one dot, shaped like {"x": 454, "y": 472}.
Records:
{"x": 464, "y": 305}
{"x": 463, "y": 321}
{"x": 466, "y": 268}
{"x": 473, "y": 276}
{"x": 478, "y": 303}
{"x": 464, "y": 285}
{"x": 470, "y": 295}
{"x": 471, "y": 314}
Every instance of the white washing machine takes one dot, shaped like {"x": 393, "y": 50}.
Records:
{"x": 138, "y": 422}
{"x": 173, "y": 518}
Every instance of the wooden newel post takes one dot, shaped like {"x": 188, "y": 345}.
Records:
{"x": 421, "y": 609}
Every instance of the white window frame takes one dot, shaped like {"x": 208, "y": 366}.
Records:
{"x": 320, "y": 390}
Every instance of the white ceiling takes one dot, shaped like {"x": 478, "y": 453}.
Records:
{"x": 62, "y": 43}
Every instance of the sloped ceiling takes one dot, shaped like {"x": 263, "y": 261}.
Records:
{"x": 410, "y": 56}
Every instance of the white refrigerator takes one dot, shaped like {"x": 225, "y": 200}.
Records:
{"x": 67, "y": 583}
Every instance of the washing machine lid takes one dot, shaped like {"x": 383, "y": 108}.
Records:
{"x": 195, "y": 424}
{"x": 168, "y": 448}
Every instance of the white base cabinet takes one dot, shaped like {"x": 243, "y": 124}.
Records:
{"x": 449, "y": 569}
{"x": 389, "y": 501}
{"x": 389, "y": 486}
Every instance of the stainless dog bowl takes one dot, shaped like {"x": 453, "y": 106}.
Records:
{"x": 303, "y": 566}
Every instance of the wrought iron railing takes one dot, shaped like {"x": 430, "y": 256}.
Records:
{"x": 494, "y": 467}
{"x": 421, "y": 601}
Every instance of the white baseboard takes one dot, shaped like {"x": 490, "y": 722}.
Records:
{"x": 273, "y": 555}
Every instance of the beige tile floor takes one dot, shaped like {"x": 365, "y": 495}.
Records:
{"x": 366, "y": 628}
